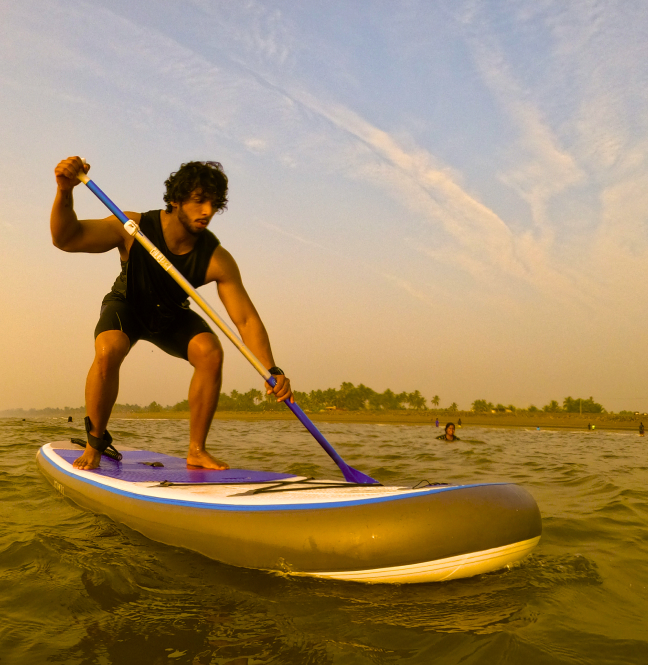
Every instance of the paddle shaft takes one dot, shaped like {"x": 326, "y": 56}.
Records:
{"x": 350, "y": 474}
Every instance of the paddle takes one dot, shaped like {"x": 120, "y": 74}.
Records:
{"x": 350, "y": 474}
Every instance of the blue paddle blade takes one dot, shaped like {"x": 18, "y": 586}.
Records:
{"x": 354, "y": 476}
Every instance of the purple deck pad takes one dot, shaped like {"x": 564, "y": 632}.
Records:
{"x": 174, "y": 470}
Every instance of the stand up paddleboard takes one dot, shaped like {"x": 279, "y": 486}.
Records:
{"x": 301, "y": 526}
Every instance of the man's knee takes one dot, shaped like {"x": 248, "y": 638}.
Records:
{"x": 205, "y": 352}
{"x": 111, "y": 347}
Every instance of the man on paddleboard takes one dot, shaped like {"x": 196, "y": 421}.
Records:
{"x": 145, "y": 303}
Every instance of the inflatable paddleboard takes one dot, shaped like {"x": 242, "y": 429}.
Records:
{"x": 302, "y": 526}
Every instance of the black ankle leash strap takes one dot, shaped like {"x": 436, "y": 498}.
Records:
{"x": 103, "y": 445}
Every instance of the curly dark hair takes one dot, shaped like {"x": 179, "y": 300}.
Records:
{"x": 206, "y": 176}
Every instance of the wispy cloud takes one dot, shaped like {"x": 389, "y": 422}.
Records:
{"x": 543, "y": 167}
{"x": 248, "y": 95}
{"x": 585, "y": 152}
{"x": 214, "y": 96}
{"x": 293, "y": 236}
{"x": 395, "y": 280}
{"x": 262, "y": 32}
{"x": 482, "y": 243}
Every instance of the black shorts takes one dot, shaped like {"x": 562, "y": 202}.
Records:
{"x": 173, "y": 339}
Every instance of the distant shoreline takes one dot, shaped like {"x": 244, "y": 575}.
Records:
{"x": 557, "y": 421}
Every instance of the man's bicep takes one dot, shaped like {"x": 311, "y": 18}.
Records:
{"x": 102, "y": 235}
{"x": 224, "y": 271}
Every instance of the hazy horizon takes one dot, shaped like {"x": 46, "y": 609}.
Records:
{"x": 449, "y": 196}
{"x": 544, "y": 408}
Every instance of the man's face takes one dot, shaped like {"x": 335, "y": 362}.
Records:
{"x": 195, "y": 213}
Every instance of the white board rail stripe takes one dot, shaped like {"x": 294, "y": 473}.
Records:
{"x": 464, "y": 565}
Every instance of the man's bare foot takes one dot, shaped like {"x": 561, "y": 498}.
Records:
{"x": 89, "y": 460}
{"x": 203, "y": 460}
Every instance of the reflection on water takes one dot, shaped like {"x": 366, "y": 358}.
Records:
{"x": 77, "y": 588}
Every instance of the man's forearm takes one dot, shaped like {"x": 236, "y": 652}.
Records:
{"x": 64, "y": 224}
{"x": 255, "y": 337}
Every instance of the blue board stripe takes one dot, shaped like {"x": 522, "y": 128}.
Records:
{"x": 256, "y": 508}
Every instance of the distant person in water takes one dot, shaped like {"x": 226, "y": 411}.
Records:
{"x": 589, "y": 426}
{"x": 436, "y": 422}
{"x": 449, "y": 434}
{"x": 459, "y": 422}
{"x": 146, "y": 304}
{"x": 641, "y": 429}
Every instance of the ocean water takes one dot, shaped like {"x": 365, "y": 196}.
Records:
{"x": 76, "y": 588}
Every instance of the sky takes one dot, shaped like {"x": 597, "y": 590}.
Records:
{"x": 448, "y": 196}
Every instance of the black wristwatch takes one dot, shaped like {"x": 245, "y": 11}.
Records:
{"x": 276, "y": 371}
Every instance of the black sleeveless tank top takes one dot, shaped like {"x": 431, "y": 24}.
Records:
{"x": 144, "y": 284}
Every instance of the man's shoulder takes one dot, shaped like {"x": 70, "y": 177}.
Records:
{"x": 150, "y": 217}
{"x": 222, "y": 266}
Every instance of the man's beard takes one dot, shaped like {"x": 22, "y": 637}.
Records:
{"x": 183, "y": 218}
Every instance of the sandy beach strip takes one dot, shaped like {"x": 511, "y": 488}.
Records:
{"x": 543, "y": 420}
